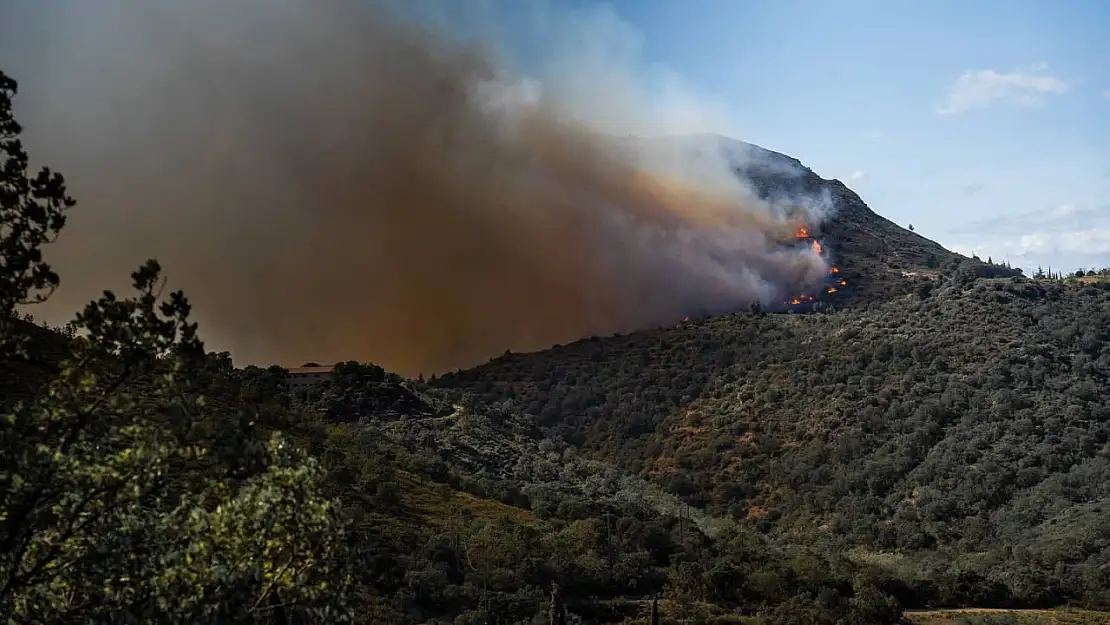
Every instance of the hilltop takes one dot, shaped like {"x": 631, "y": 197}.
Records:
{"x": 877, "y": 258}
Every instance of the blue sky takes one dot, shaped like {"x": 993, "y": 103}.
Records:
{"x": 986, "y": 125}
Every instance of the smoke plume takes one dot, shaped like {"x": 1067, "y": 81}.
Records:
{"x": 339, "y": 180}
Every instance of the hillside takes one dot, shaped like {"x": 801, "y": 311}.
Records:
{"x": 470, "y": 514}
{"x": 966, "y": 422}
{"x": 877, "y": 258}
{"x": 948, "y": 418}
{"x": 859, "y": 239}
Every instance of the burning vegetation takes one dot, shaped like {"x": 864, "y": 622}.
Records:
{"x": 832, "y": 284}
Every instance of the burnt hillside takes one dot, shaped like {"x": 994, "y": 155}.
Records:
{"x": 877, "y": 257}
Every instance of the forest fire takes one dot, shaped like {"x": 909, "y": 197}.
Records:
{"x": 803, "y": 234}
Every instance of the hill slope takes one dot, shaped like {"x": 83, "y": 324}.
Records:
{"x": 970, "y": 421}
{"x": 875, "y": 255}
{"x": 947, "y": 419}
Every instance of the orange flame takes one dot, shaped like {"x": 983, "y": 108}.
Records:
{"x": 843, "y": 283}
{"x": 802, "y": 233}
{"x": 831, "y": 289}
{"x": 816, "y": 247}
{"x": 834, "y": 269}
{"x": 795, "y": 301}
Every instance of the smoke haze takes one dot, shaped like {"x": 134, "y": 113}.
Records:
{"x": 340, "y": 180}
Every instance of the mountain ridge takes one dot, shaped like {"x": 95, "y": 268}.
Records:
{"x": 877, "y": 258}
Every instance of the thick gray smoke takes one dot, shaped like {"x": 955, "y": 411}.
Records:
{"x": 329, "y": 181}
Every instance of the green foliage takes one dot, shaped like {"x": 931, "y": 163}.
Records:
{"x": 356, "y": 390}
{"x": 136, "y": 486}
{"x": 32, "y": 213}
{"x": 957, "y": 433}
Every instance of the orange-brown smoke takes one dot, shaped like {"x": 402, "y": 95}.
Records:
{"x": 327, "y": 182}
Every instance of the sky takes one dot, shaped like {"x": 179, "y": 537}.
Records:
{"x": 985, "y": 125}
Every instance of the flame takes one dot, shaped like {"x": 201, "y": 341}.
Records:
{"x": 804, "y": 234}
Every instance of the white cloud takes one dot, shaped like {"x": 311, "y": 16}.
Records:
{"x": 1062, "y": 250}
{"x": 858, "y": 175}
{"x": 976, "y": 89}
{"x": 1091, "y": 241}
{"x": 1057, "y": 219}
{"x": 1064, "y": 237}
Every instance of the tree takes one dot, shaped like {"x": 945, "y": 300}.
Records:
{"x": 557, "y": 613}
{"x": 136, "y": 486}
{"x": 32, "y": 213}
{"x": 870, "y": 606}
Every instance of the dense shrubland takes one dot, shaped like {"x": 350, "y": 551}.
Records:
{"x": 959, "y": 430}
